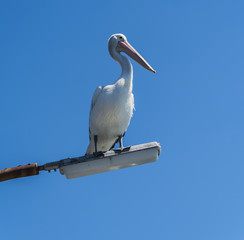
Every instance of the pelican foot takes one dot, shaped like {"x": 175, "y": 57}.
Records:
{"x": 124, "y": 149}
{"x": 127, "y": 148}
{"x": 98, "y": 154}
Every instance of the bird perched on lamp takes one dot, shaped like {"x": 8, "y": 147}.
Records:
{"x": 112, "y": 106}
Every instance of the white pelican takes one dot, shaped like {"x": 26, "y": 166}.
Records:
{"x": 112, "y": 105}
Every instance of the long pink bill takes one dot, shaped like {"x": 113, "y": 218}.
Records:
{"x": 125, "y": 47}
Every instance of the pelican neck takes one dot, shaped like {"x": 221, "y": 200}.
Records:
{"x": 126, "y": 76}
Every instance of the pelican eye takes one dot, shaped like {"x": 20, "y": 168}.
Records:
{"x": 121, "y": 38}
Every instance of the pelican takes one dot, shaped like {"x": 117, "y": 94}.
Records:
{"x": 112, "y": 106}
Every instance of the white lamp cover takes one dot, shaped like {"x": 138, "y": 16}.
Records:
{"x": 112, "y": 160}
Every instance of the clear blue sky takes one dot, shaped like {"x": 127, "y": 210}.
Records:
{"x": 53, "y": 54}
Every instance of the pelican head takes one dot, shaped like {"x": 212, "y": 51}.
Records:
{"x": 118, "y": 43}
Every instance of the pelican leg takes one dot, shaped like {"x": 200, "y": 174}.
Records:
{"x": 95, "y": 142}
{"x": 96, "y": 153}
{"x": 121, "y": 142}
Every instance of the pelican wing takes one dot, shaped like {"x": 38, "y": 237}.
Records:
{"x": 93, "y": 102}
{"x": 95, "y": 96}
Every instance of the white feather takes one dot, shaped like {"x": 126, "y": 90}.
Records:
{"x": 110, "y": 116}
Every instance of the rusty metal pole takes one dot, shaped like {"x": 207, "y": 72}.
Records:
{"x": 30, "y": 169}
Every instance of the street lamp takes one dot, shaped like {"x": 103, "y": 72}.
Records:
{"x": 90, "y": 164}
